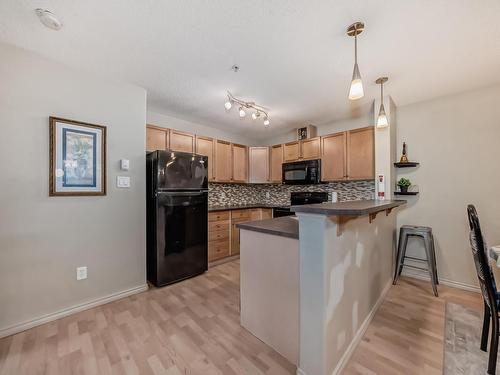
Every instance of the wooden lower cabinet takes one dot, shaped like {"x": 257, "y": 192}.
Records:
{"x": 223, "y": 233}
{"x": 218, "y": 235}
{"x": 237, "y": 217}
{"x": 218, "y": 249}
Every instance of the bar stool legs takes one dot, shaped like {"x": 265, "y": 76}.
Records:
{"x": 426, "y": 234}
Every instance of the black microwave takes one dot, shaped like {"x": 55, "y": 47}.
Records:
{"x": 304, "y": 172}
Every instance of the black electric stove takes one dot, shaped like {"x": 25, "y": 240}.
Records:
{"x": 300, "y": 198}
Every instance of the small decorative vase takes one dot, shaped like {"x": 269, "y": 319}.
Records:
{"x": 404, "y": 189}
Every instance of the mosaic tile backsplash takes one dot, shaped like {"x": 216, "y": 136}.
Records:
{"x": 230, "y": 194}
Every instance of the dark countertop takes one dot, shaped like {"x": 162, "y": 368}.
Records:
{"x": 284, "y": 226}
{"x": 241, "y": 207}
{"x": 348, "y": 208}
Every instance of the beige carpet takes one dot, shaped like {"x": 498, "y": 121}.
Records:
{"x": 462, "y": 354}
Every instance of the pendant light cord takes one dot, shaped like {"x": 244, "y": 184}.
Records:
{"x": 355, "y": 46}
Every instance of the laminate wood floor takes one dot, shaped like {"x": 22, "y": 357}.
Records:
{"x": 190, "y": 327}
{"x": 193, "y": 328}
{"x": 406, "y": 336}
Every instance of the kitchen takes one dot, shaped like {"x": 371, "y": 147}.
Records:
{"x": 248, "y": 187}
{"x": 245, "y": 182}
{"x": 247, "y": 197}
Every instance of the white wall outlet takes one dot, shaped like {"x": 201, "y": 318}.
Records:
{"x": 81, "y": 273}
{"x": 123, "y": 181}
{"x": 124, "y": 164}
{"x": 268, "y": 195}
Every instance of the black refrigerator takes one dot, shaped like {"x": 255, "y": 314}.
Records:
{"x": 177, "y": 216}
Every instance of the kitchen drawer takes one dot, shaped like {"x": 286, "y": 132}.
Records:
{"x": 218, "y": 215}
{"x": 218, "y": 249}
{"x": 240, "y": 214}
{"x": 218, "y": 235}
{"x": 214, "y": 226}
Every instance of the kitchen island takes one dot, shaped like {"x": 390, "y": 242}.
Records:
{"x": 310, "y": 292}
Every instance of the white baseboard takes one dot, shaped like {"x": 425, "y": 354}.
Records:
{"x": 359, "y": 334}
{"x": 424, "y": 275}
{"x": 68, "y": 311}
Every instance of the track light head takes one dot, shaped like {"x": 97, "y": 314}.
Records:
{"x": 228, "y": 105}
{"x": 242, "y": 112}
{"x": 266, "y": 121}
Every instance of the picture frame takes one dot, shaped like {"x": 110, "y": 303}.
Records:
{"x": 77, "y": 158}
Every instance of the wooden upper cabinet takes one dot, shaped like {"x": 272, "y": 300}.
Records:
{"x": 310, "y": 148}
{"x": 205, "y": 146}
{"x": 156, "y": 138}
{"x": 258, "y": 160}
{"x": 180, "y": 141}
{"x": 291, "y": 151}
{"x": 223, "y": 167}
{"x": 333, "y": 157}
{"x": 240, "y": 163}
{"x": 361, "y": 154}
{"x": 276, "y": 163}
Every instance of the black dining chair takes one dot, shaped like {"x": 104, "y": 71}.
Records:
{"x": 488, "y": 288}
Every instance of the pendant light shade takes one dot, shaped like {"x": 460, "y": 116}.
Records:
{"x": 382, "y": 121}
{"x": 356, "y": 91}
{"x": 382, "y": 117}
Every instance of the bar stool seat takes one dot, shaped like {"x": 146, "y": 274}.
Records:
{"x": 426, "y": 234}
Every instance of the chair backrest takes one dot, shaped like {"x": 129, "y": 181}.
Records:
{"x": 480, "y": 254}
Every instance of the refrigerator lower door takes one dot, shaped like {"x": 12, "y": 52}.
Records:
{"x": 181, "y": 236}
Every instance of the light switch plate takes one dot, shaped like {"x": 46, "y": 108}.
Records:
{"x": 81, "y": 273}
{"x": 125, "y": 164}
{"x": 123, "y": 181}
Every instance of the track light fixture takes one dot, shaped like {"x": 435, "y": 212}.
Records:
{"x": 243, "y": 105}
{"x": 382, "y": 121}
{"x": 356, "y": 90}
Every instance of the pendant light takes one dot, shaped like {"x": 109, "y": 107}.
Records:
{"x": 356, "y": 90}
{"x": 382, "y": 121}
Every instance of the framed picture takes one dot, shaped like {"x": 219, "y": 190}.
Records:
{"x": 77, "y": 158}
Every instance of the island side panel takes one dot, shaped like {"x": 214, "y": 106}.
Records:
{"x": 269, "y": 286}
{"x": 352, "y": 276}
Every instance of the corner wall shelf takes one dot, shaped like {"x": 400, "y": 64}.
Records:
{"x": 406, "y": 193}
{"x": 408, "y": 164}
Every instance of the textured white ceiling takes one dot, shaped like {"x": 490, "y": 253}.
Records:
{"x": 294, "y": 56}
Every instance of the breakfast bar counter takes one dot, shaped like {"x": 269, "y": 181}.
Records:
{"x": 310, "y": 296}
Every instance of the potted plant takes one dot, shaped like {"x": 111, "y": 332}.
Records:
{"x": 403, "y": 184}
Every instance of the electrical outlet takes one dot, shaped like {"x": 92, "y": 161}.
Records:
{"x": 81, "y": 273}
{"x": 268, "y": 195}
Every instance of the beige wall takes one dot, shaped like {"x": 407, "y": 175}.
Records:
{"x": 334, "y": 127}
{"x": 43, "y": 239}
{"x": 457, "y": 140}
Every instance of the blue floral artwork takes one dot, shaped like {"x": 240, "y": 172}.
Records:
{"x": 79, "y": 158}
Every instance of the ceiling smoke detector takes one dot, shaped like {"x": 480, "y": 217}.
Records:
{"x": 48, "y": 19}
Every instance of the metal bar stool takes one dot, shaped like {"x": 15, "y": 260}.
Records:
{"x": 426, "y": 234}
